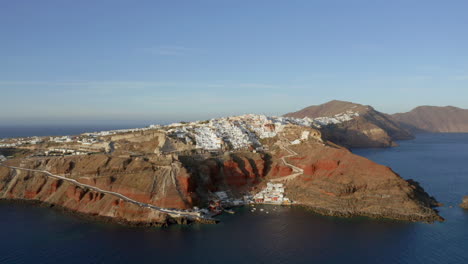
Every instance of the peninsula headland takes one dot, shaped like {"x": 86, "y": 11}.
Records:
{"x": 192, "y": 171}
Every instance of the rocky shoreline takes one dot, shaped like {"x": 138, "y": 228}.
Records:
{"x": 184, "y": 221}
{"x": 106, "y": 219}
{"x": 400, "y": 218}
{"x": 429, "y": 218}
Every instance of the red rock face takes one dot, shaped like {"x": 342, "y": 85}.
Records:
{"x": 335, "y": 181}
{"x": 35, "y": 186}
{"x": 32, "y": 190}
{"x": 236, "y": 173}
{"x": 280, "y": 171}
{"x": 54, "y": 186}
{"x": 185, "y": 186}
{"x": 308, "y": 169}
{"x": 233, "y": 174}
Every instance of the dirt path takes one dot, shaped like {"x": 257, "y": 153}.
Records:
{"x": 296, "y": 171}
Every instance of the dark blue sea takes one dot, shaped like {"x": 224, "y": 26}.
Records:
{"x": 30, "y": 234}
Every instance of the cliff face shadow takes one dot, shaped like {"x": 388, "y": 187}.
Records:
{"x": 422, "y": 195}
{"x": 351, "y": 138}
{"x": 235, "y": 172}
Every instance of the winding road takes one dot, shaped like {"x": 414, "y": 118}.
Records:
{"x": 296, "y": 170}
{"x": 171, "y": 212}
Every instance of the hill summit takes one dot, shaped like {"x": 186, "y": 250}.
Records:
{"x": 367, "y": 127}
{"x": 447, "y": 119}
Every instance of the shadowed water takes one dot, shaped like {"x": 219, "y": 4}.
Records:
{"x": 284, "y": 235}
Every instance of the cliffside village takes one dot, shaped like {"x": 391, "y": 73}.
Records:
{"x": 273, "y": 194}
{"x": 229, "y": 133}
{"x": 244, "y": 131}
{"x": 239, "y": 132}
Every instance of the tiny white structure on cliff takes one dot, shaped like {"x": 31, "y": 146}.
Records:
{"x": 337, "y": 119}
{"x": 63, "y": 139}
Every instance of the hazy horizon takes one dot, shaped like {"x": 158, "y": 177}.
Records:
{"x": 127, "y": 123}
{"x": 121, "y": 62}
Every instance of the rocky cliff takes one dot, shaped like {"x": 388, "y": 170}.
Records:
{"x": 334, "y": 182}
{"x": 434, "y": 119}
{"x": 367, "y": 128}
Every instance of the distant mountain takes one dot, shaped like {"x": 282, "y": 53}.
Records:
{"x": 434, "y": 119}
{"x": 366, "y": 128}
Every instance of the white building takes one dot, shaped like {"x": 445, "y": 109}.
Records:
{"x": 272, "y": 194}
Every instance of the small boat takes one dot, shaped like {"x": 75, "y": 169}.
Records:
{"x": 229, "y": 211}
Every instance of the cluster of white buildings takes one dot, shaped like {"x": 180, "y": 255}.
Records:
{"x": 272, "y": 194}
{"x": 62, "y": 151}
{"x": 263, "y": 126}
{"x": 120, "y": 131}
{"x": 84, "y": 139}
{"x": 63, "y": 139}
{"x": 306, "y": 121}
{"x": 206, "y": 138}
{"x": 226, "y": 200}
{"x": 234, "y": 133}
{"x": 11, "y": 145}
{"x": 215, "y": 134}
{"x": 88, "y": 140}
{"x": 21, "y": 141}
{"x": 337, "y": 119}
{"x": 244, "y": 131}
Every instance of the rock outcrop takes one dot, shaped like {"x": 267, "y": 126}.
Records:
{"x": 464, "y": 203}
{"x": 337, "y": 182}
{"x": 368, "y": 129}
{"x": 434, "y": 119}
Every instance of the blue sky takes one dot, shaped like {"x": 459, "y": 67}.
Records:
{"x": 70, "y": 61}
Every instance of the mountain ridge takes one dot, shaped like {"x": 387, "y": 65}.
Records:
{"x": 436, "y": 119}
{"x": 367, "y": 128}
